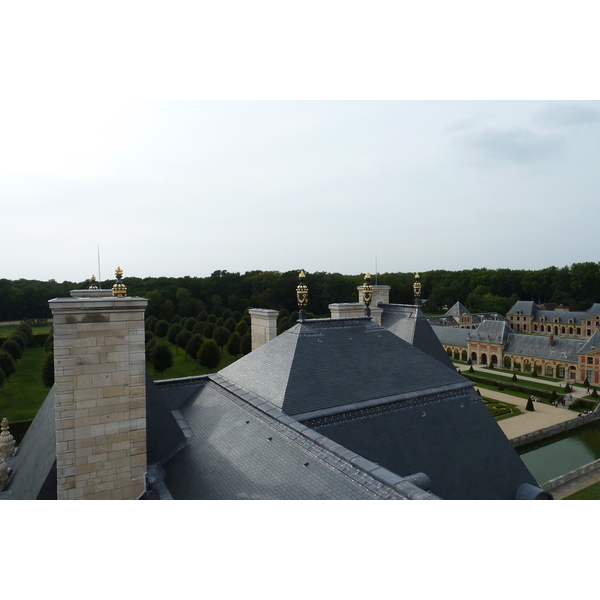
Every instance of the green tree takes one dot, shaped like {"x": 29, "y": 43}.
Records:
{"x": 246, "y": 344}
{"x": 13, "y": 349}
{"x": 150, "y": 345}
{"x": 161, "y": 329}
{"x": 234, "y": 344}
{"x": 189, "y": 323}
{"x": 162, "y": 358}
{"x": 193, "y": 346}
{"x": 209, "y": 329}
{"x": 151, "y": 323}
{"x": 48, "y": 370}
{"x": 209, "y": 354}
{"x": 49, "y": 343}
{"x": 242, "y": 328}
{"x": 230, "y": 324}
{"x": 7, "y": 364}
{"x": 185, "y": 303}
{"x": 20, "y": 340}
{"x": 199, "y": 328}
{"x": 182, "y": 339}
{"x": 174, "y": 332}
{"x": 221, "y": 336}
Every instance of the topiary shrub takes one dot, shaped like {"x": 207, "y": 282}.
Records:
{"x": 568, "y": 389}
{"x": 530, "y": 405}
{"x": 594, "y": 393}
{"x": 514, "y": 377}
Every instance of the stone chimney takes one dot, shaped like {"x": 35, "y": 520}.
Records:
{"x": 551, "y": 341}
{"x": 381, "y": 293}
{"x": 100, "y": 396}
{"x": 263, "y": 324}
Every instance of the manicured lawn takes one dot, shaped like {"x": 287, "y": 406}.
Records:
{"x": 491, "y": 374}
{"x": 183, "y": 368}
{"x": 6, "y": 330}
{"x": 486, "y": 386}
{"x": 24, "y": 393}
{"x": 589, "y": 493}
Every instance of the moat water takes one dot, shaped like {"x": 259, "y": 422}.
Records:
{"x": 562, "y": 453}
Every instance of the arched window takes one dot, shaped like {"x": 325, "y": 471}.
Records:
{"x": 474, "y": 357}
{"x": 484, "y": 359}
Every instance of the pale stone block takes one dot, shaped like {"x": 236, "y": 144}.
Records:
{"x": 97, "y": 458}
{"x": 82, "y": 382}
{"x": 82, "y": 432}
{"x": 96, "y": 430}
{"x": 83, "y": 395}
{"x": 99, "y": 380}
{"x": 118, "y": 357}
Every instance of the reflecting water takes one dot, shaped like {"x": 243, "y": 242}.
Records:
{"x": 560, "y": 454}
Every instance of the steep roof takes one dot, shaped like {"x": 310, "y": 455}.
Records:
{"x": 496, "y": 332}
{"x": 452, "y": 336}
{"x": 527, "y": 307}
{"x": 241, "y": 447}
{"x": 409, "y": 323}
{"x": 538, "y": 346}
{"x": 457, "y": 310}
{"x": 450, "y": 436}
{"x": 591, "y": 345}
{"x": 329, "y": 364}
{"x": 36, "y": 458}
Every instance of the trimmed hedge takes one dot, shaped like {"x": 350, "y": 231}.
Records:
{"x": 510, "y": 385}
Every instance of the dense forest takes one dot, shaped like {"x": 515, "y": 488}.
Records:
{"x": 577, "y": 286}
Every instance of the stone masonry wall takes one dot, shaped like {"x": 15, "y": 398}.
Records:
{"x": 263, "y": 324}
{"x": 99, "y": 358}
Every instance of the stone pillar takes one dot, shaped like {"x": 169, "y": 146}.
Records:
{"x": 381, "y": 293}
{"x": 263, "y": 323}
{"x": 100, "y": 390}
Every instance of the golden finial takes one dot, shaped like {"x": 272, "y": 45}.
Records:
{"x": 119, "y": 290}
{"x": 367, "y": 294}
{"x": 93, "y": 285}
{"x": 417, "y": 289}
{"x": 302, "y": 295}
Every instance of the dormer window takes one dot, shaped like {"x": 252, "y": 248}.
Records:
{"x": 518, "y": 312}
{"x": 571, "y": 321}
{"x": 556, "y": 319}
{"x": 542, "y": 319}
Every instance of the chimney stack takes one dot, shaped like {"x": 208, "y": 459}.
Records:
{"x": 100, "y": 390}
{"x": 551, "y": 341}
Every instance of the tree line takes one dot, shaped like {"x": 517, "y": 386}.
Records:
{"x": 482, "y": 290}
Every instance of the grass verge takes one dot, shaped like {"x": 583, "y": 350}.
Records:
{"x": 591, "y": 492}
{"x": 24, "y": 393}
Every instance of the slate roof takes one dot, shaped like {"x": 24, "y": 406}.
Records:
{"x": 452, "y": 336}
{"x": 527, "y": 307}
{"x": 457, "y": 310}
{"x": 523, "y": 344}
{"x": 36, "y": 458}
{"x": 246, "y": 448}
{"x": 34, "y": 467}
{"x": 591, "y": 345}
{"x": 538, "y": 347}
{"x": 496, "y": 332}
{"x": 409, "y": 323}
{"x": 328, "y": 364}
{"x": 530, "y": 308}
{"x": 450, "y": 436}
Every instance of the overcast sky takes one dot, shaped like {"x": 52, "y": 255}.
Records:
{"x": 186, "y": 187}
